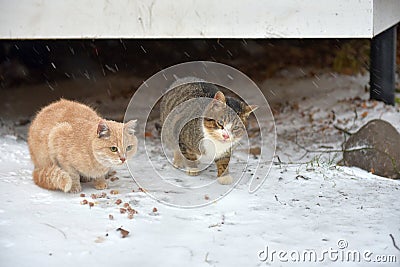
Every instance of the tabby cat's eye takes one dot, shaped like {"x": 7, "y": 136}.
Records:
{"x": 113, "y": 149}
{"x": 129, "y": 148}
{"x": 220, "y": 124}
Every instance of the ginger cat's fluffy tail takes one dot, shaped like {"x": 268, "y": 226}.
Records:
{"x": 53, "y": 178}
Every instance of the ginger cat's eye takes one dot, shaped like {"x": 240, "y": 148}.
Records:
{"x": 113, "y": 149}
{"x": 129, "y": 148}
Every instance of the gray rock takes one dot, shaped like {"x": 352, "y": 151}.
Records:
{"x": 376, "y": 148}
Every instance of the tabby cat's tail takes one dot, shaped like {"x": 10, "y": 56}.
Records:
{"x": 52, "y": 177}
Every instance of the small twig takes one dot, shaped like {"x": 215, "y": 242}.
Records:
{"x": 394, "y": 243}
{"x": 51, "y": 226}
{"x": 342, "y": 130}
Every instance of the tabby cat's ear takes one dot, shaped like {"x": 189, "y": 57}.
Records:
{"x": 102, "y": 130}
{"x": 218, "y": 101}
{"x": 220, "y": 97}
{"x": 130, "y": 127}
{"x": 249, "y": 109}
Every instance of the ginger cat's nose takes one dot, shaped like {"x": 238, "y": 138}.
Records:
{"x": 122, "y": 159}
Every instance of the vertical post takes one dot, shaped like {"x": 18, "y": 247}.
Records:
{"x": 383, "y": 65}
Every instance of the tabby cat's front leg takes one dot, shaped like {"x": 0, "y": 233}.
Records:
{"x": 223, "y": 173}
{"x": 190, "y": 161}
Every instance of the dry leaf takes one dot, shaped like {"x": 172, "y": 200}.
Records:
{"x": 364, "y": 114}
{"x": 124, "y": 233}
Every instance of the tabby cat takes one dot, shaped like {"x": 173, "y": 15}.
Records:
{"x": 213, "y": 134}
{"x": 69, "y": 143}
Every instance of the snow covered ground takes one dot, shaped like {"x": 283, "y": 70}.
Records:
{"x": 307, "y": 203}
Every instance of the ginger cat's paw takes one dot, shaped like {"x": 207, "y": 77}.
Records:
{"x": 75, "y": 188}
{"x": 66, "y": 184}
{"x": 100, "y": 184}
{"x": 225, "y": 180}
{"x": 193, "y": 171}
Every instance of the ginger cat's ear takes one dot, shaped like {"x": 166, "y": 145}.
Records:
{"x": 102, "y": 130}
{"x": 249, "y": 109}
{"x": 130, "y": 127}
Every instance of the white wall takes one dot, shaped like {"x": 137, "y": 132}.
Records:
{"x": 195, "y": 18}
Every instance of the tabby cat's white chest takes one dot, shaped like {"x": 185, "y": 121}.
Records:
{"x": 214, "y": 149}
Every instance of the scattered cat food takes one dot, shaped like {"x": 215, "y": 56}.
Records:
{"x": 110, "y": 216}
{"x": 82, "y": 195}
{"x": 114, "y": 192}
{"x": 142, "y": 190}
{"x": 130, "y": 210}
{"x": 124, "y": 233}
{"x": 206, "y": 197}
{"x": 130, "y": 216}
{"x": 91, "y": 204}
{"x": 126, "y": 205}
{"x": 118, "y": 201}
{"x": 155, "y": 209}
{"x": 372, "y": 170}
{"x": 101, "y": 195}
{"x": 84, "y": 202}
{"x": 113, "y": 179}
{"x": 122, "y": 210}
{"x": 133, "y": 190}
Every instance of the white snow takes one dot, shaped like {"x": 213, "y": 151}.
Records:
{"x": 306, "y": 203}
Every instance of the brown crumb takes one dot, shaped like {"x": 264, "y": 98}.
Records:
{"x": 103, "y": 195}
{"x": 114, "y": 179}
{"x": 124, "y": 233}
{"x": 372, "y": 170}
{"x": 110, "y": 216}
{"x": 126, "y": 205}
{"x": 206, "y": 197}
{"x": 132, "y": 210}
{"x": 82, "y": 195}
{"x": 130, "y": 216}
{"x": 122, "y": 210}
{"x": 114, "y": 192}
{"x": 93, "y": 196}
{"x": 155, "y": 209}
{"x": 91, "y": 204}
{"x": 118, "y": 201}
{"x": 142, "y": 189}
{"x": 133, "y": 190}
{"x": 84, "y": 202}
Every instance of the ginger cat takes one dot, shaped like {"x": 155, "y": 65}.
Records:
{"x": 69, "y": 142}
